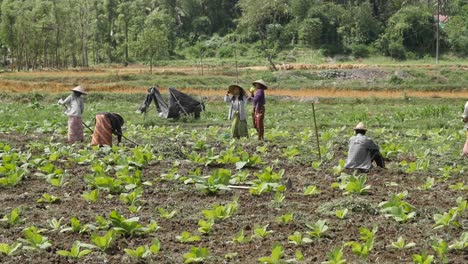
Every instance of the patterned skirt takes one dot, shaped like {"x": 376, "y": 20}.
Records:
{"x": 239, "y": 127}
{"x": 102, "y": 131}
{"x": 75, "y": 129}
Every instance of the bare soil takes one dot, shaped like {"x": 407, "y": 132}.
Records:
{"x": 252, "y": 211}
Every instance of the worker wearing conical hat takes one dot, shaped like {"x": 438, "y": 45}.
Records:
{"x": 363, "y": 151}
{"x": 465, "y": 120}
{"x": 74, "y": 110}
{"x": 258, "y": 113}
{"x": 237, "y": 97}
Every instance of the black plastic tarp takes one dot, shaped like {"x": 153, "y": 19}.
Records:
{"x": 178, "y": 104}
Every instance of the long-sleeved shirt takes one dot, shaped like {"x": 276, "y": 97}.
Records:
{"x": 237, "y": 104}
{"x": 259, "y": 99}
{"x": 360, "y": 152}
{"x": 74, "y": 105}
{"x": 465, "y": 114}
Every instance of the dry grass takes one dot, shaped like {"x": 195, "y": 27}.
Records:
{"x": 55, "y": 87}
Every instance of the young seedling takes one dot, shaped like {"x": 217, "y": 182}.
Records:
{"x": 144, "y": 252}
{"x": 205, "y": 227}
{"x": 239, "y": 238}
{"x": 277, "y": 253}
{"x": 75, "y": 251}
{"x": 10, "y": 250}
{"x": 311, "y": 190}
{"x": 262, "y": 231}
{"x": 221, "y": 212}
{"x": 285, "y": 219}
{"x": 196, "y": 255}
{"x": 130, "y": 226}
{"x": 462, "y": 243}
{"x": 398, "y": 209}
{"x": 104, "y": 242}
{"x": 34, "y": 240}
{"x": 91, "y": 196}
{"x": 55, "y": 224}
{"x": 401, "y": 244}
{"x": 428, "y": 184}
{"x": 187, "y": 237}
{"x": 163, "y": 213}
{"x": 47, "y": 198}
{"x": 298, "y": 240}
{"x": 318, "y": 228}
{"x": 77, "y": 227}
{"x": 341, "y": 214}
{"x": 278, "y": 199}
{"x": 13, "y": 218}
{"x": 441, "y": 249}
{"x": 423, "y": 258}
{"x": 368, "y": 238}
{"x": 335, "y": 256}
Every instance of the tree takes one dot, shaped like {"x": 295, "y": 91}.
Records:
{"x": 261, "y": 18}
{"x": 410, "y": 30}
{"x": 153, "y": 42}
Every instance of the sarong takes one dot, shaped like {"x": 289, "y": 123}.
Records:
{"x": 465, "y": 148}
{"x": 238, "y": 127}
{"x": 102, "y": 131}
{"x": 75, "y": 129}
{"x": 257, "y": 116}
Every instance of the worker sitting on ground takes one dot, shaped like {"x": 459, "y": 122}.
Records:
{"x": 106, "y": 125}
{"x": 363, "y": 151}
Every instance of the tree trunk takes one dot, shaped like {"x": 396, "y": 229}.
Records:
{"x": 151, "y": 64}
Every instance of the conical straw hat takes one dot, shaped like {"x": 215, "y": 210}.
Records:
{"x": 262, "y": 83}
{"x": 79, "y": 89}
{"x": 360, "y": 126}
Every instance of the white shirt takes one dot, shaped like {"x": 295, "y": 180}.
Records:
{"x": 74, "y": 104}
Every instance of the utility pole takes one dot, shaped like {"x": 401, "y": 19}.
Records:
{"x": 437, "y": 32}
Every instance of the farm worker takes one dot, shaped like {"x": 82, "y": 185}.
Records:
{"x": 106, "y": 125}
{"x": 237, "y": 97}
{"x": 363, "y": 151}
{"x": 465, "y": 120}
{"x": 258, "y": 113}
{"x": 74, "y": 110}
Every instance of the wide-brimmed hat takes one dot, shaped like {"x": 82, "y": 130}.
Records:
{"x": 232, "y": 86}
{"x": 79, "y": 89}
{"x": 262, "y": 83}
{"x": 360, "y": 126}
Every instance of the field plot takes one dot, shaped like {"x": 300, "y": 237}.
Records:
{"x": 189, "y": 193}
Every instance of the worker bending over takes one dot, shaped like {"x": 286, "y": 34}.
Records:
{"x": 106, "y": 125}
{"x": 363, "y": 151}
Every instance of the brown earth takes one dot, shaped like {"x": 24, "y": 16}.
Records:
{"x": 252, "y": 211}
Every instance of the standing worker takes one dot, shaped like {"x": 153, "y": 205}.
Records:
{"x": 74, "y": 110}
{"x": 258, "y": 113}
{"x": 465, "y": 120}
{"x": 106, "y": 125}
{"x": 363, "y": 151}
{"x": 237, "y": 97}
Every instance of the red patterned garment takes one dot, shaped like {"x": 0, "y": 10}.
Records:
{"x": 102, "y": 131}
{"x": 75, "y": 129}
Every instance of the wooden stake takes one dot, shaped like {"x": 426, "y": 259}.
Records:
{"x": 316, "y": 129}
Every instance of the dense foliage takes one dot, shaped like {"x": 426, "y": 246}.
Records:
{"x": 64, "y": 33}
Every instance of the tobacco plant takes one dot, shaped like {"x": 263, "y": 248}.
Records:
{"x": 318, "y": 228}
{"x": 277, "y": 254}
{"x": 13, "y": 218}
{"x": 146, "y": 251}
{"x": 10, "y": 250}
{"x": 240, "y": 238}
{"x": 106, "y": 241}
{"x": 335, "y": 256}
{"x": 367, "y": 237}
{"x": 75, "y": 251}
{"x": 33, "y": 239}
{"x": 196, "y": 255}
{"x": 187, "y": 237}
{"x": 401, "y": 244}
